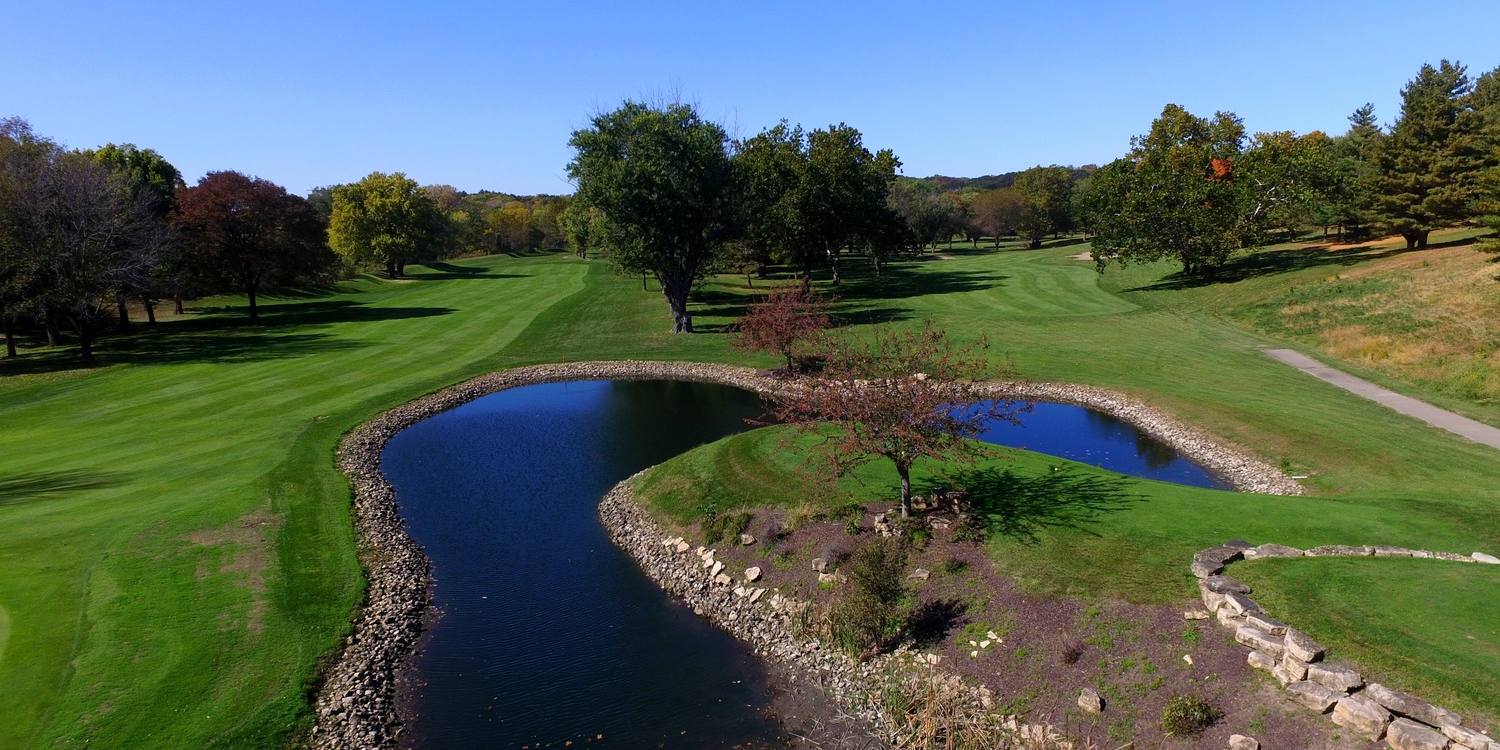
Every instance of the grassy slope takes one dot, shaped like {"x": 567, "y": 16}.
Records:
{"x": 153, "y": 496}
{"x": 175, "y": 549}
{"x": 1381, "y": 478}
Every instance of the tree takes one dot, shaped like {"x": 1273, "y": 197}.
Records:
{"x": 845, "y": 192}
{"x": 773, "y": 171}
{"x": 902, "y": 395}
{"x": 155, "y": 181}
{"x": 788, "y": 322}
{"x": 1046, "y": 202}
{"x": 1347, "y": 202}
{"x": 998, "y": 212}
{"x": 98, "y": 236}
{"x": 1175, "y": 195}
{"x": 664, "y": 185}
{"x": 926, "y": 212}
{"x": 24, "y": 158}
{"x": 1426, "y": 169}
{"x": 245, "y": 233}
{"x": 388, "y": 219}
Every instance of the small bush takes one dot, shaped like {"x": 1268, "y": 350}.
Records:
{"x": 953, "y": 565}
{"x": 1187, "y": 715}
{"x": 851, "y": 527}
{"x": 721, "y": 525}
{"x": 866, "y": 616}
{"x": 968, "y": 529}
{"x": 1071, "y": 649}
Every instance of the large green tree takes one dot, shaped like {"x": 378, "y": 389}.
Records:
{"x": 1046, "y": 202}
{"x": 388, "y": 219}
{"x": 845, "y": 193}
{"x": 1174, "y": 196}
{"x": 1427, "y": 170}
{"x": 154, "y": 181}
{"x": 663, "y": 182}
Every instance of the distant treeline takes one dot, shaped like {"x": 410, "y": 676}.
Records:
{"x": 996, "y": 181}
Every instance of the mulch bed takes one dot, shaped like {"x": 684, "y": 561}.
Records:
{"x": 1047, "y": 650}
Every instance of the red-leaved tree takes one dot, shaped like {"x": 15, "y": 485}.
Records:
{"x": 790, "y": 321}
{"x": 902, "y": 395}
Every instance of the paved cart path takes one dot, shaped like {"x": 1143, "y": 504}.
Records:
{"x": 1459, "y": 425}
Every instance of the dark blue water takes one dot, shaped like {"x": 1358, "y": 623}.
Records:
{"x": 1091, "y": 437}
{"x": 550, "y": 634}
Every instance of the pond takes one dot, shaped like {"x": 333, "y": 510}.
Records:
{"x": 549, "y": 633}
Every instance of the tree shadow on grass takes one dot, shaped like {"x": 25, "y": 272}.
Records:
{"x": 438, "y": 271}
{"x": 931, "y": 621}
{"x": 1274, "y": 262}
{"x": 46, "y": 485}
{"x": 1020, "y": 507}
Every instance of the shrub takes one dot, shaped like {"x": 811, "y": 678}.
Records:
{"x": 968, "y": 528}
{"x": 953, "y": 564}
{"x": 718, "y": 526}
{"x": 1187, "y": 715}
{"x": 866, "y": 617}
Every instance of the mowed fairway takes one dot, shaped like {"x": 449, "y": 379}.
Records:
{"x": 175, "y": 547}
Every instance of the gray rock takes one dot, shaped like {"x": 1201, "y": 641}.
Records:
{"x": 1411, "y": 706}
{"x": 1205, "y": 569}
{"x": 1382, "y": 550}
{"x": 1225, "y": 585}
{"x": 819, "y": 564}
{"x": 920, "y": 574}
{"x": 1260, "y": 640}
{"x": 1469, "y": 738}
{"x": 1334, "y": 676}
{"x": 827, "y": 577}
{"x": 1261, "y": 660}
{"x": 747, "y": 539}
{"x": 1283, "y": 675}
{"x": 1241, "y": 604}
{"x": 1422, "y": 553}
{"x": 1452, "y": 557}
{"x": 1313, "y": 695}
{"x": 1229, "y": 619}
{"x": 1265, "y": 622}
{"x": 1491, "y": 559}
{"x": 1195, "y": 614}
{"x": 1211, "y": 600}
{"x": 1241, "y": 742}
{"x": 1303, "y": 647}
{"x": 1362, "y": 715}
{"x": 1405, "y": 734}
{"x": 1221, "y": 555}
{"x": 1089, "y": 700}
{"x": 1277, "y": 550}
{"x": 1239, "y": 544}
{"x": 1294, "y": 667}
{"x": 752, "y": 574}
{"x": 1340, "y": 550}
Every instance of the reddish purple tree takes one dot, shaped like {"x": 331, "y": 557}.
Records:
{"x": 790, "y": 321}
{"x": 902, "y": 395}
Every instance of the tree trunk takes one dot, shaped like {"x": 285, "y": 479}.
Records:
{"x": 150, "y": 306}
{"x": 401, "y": 268}
{"x": 905, "y": 472}
{"x": 124, "y": 314}
{"x": 10, "y": 333}
{"x": 177, "y": 304}
{"x": 254, "y": 314}
{"x": 643, "y": 282}
{"x": 834, "y": 261}
{"x": 749, "y": 282}
{"x": 85, "y": 341}
{"x": 997, "y": 241}
{"x": 682, "y": 322}
{"x": 390, "y": 268}
{"x": 54, "y": 329}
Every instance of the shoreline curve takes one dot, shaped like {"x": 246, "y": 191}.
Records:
{"x": 357, "y": 706}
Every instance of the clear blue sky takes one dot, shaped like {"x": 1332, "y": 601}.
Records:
{"x": 484, "y": 94}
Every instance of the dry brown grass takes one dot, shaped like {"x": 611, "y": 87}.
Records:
{"x": 1430, "y": 317}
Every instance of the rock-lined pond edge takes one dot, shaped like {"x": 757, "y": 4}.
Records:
{"x": 356, "y": 705}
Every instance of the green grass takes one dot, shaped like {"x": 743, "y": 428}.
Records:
{"x": 175, "y": 547}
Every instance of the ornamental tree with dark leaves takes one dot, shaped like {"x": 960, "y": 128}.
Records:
{"x": 245, "y": 233}
{"x": 900, "y": 395}
{"x": 789, "y": 322}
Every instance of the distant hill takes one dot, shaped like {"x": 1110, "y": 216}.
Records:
{"x": 994, "y": 181}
